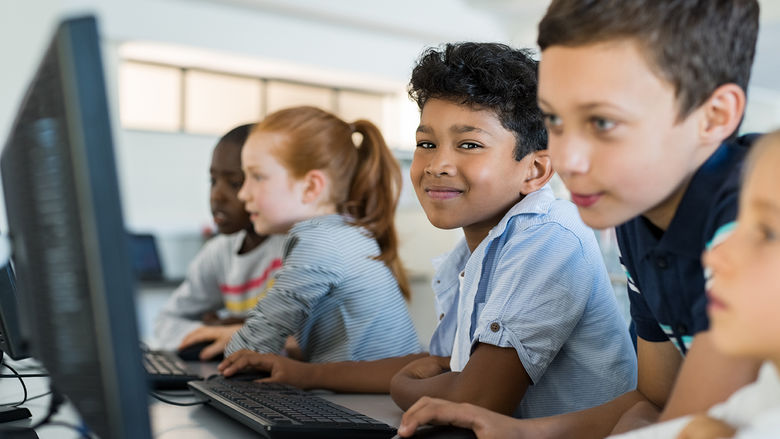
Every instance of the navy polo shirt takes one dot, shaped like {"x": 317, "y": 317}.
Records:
{"x": 665, "y": 275}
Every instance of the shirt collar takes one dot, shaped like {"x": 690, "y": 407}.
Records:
{"x": 536, "y": 202}
{"x": 450, "y": 264}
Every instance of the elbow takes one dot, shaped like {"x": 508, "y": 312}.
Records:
{"x": 401, "y": 391}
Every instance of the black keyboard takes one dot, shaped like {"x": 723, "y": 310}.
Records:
{"x": 166, "y": 371}
{"x": 280, "y": 411}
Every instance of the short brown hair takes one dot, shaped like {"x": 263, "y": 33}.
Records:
{"x": 696, "y": 45}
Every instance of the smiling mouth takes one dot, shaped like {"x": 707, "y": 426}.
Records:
{"x": 443, "y": 193}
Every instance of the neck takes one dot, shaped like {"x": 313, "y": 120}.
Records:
{"x": 251, "y": 240}
{"x": 662, "y": 215}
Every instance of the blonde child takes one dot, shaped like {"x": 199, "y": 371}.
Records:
{"x": 744, "y": 303}
{"x": 341, "y": 288}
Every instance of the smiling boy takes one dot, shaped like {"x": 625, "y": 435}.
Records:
{"x": 528, "y": 320}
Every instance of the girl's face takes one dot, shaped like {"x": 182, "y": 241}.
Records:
{"x": 273, "y": 198}
{"x": 744, "y": 291}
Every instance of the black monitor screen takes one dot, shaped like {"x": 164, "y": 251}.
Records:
{"x": 69, "y": 244}
{"x": 13, "y": 338}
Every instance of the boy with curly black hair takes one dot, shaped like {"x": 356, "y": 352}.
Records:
{"x": 528, "y": 323}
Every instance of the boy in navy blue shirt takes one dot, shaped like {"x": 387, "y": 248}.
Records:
{"x": 642, "y": 134}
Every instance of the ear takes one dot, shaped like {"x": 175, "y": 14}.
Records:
{"x": 538, "y": 171}
{"x": 315, "y": 186}
{"x": 722, "y": 113}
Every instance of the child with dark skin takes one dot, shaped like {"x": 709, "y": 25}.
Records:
{"x": 214, "y": 295}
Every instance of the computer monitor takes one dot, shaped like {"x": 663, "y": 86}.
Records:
{"x": 13, "y": 339}
{"x": 68, "y": 239}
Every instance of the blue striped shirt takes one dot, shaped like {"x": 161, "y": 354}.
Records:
{"x": 537, "y": 284}
{"x": 332, "y": 294}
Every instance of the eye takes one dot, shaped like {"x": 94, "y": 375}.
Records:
{"x": 470, "y": 145}
{"x": 602, "y": 124}
{"x": 425, "y": 145}
{"x": 236, "y": 184}
{"x": 213, "y": 181}
{"x": 551, "y": 120}
{"x": 767, "y": 234}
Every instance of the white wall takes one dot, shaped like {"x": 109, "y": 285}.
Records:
{"x": 163, "y": 177}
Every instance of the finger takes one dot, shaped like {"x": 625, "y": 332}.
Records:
{"x": 239, "y": 361}
{"x": 436, "y": 411}
{"x": 211, "y": 351}
{"x": 412, "y": 419}
{"x": 197, "y": 336}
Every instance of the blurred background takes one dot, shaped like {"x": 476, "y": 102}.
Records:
{"x": 182, "y": 72}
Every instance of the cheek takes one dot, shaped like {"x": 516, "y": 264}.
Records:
{"x": 416, "y": 171}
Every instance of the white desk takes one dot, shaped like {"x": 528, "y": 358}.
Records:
{"x": 172, "y": 422}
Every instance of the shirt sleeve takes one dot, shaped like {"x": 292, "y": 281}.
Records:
{"x": 311, "y": 268}
{"x": 198, "y": 294}
{"x": 646, "y": 325}
{"x": 537, "y": 295}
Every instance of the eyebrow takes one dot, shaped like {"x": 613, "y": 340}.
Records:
{"x": 587, "y": 105}
{"x": 766, "y": 205}
{"x": 233, "y": 172}
{"x": 458, "y": 129}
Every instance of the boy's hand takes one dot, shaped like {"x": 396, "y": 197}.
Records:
{"x": 282, "y": 369}
{"x": 426, "y": 367}
{"x": 704, "y": 427}
{"x": 486, "y": 424}
{"x": 218, "y": 335}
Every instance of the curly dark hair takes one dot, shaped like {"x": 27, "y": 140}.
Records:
{"x": 488, "y": 76}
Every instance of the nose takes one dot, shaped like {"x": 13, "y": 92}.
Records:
{"x": 569, "y": 155}
{"x": 243, "y": 192}
{"x": 440, "y": 163}
{"x": 719, "y": 256}
{"x": 217, "y": 193}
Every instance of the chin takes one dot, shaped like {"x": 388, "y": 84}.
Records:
{"x": 443, "y": 224}
{"x": 599, "y": 220}
{"x": 725, "y": 342}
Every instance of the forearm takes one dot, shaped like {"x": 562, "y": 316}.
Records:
{"x": 689, "y": 398}
{"x": 593, "y": 423}
{"x": 406, "y": 390}
{"x": 357, "y": 376}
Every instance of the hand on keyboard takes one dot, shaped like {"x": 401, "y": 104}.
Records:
{"x": 279, "y": 369}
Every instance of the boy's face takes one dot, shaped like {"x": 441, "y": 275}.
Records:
{"x": 270, "y": 194}
{"x": 226, "y": 179}
{"x": 743, "y": 289}
{"x": 463, "y": 170}
{"x": 613, "y": 134}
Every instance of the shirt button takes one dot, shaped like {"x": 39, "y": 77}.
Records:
{"x": 462, "y": 273}
{"x": 441, "y": 316}
{"x": 661, "y": 262}
{"x": 438, "y": 281}
{"x": 495, "y": 327}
